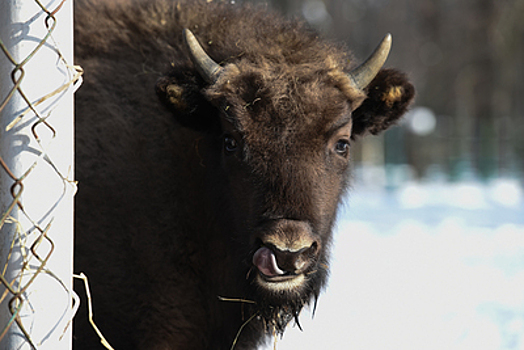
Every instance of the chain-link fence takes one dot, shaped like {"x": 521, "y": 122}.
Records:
{"x": 37, "y": 80}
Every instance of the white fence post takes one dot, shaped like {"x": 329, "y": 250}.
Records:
{"x": 36, "y": 174}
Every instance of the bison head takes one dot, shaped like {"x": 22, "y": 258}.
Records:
{"x": 283, "y": 129}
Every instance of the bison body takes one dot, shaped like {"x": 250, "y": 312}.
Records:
{"x": 207, "y": 196}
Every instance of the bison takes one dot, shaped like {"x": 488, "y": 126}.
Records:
{"x": 212, "y": 151}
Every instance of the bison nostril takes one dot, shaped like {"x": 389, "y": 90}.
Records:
{"x": 313, "y": 249}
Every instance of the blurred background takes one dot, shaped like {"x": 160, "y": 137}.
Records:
{"x": 429, "y": 251}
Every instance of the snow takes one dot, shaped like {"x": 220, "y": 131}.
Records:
{"x": 423, "y": 266}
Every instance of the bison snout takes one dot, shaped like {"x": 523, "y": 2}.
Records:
{"x": 289, "y": 250}
{"x": 273, "y": 262}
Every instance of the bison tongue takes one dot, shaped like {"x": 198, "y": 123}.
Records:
{"x": 266, "y": 262}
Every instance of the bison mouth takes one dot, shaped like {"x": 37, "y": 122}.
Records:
{"x": 270, "y": 273}
{"x": 284, "y": 270}
{"x": 285, "y": 281}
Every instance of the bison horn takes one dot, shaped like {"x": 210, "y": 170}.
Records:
{"x": 206, "y": 67}
{"x": 366, "y": 72}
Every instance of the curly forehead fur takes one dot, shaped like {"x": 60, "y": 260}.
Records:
{"x": 282, "y": 96}
{"x": 288, "y": 76}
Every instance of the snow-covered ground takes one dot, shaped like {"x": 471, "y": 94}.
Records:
{"x": 423, "y": 266}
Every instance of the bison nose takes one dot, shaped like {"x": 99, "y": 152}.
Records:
{"x": 286, "y": 247}
{"x": 272, "y": 261}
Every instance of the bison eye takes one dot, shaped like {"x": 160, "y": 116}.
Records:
{"x": 342, "y": 147}
{"x": 230, "y": 144}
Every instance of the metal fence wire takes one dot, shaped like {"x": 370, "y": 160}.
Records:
{"x": 37, "y": 80}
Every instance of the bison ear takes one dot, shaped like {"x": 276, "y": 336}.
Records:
{"x": 388, "y": 98}
{"x": 181, "y": 94}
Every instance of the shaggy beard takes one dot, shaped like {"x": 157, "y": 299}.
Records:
{"x": 277, "y": 309}
{"x": 277, "y": 317}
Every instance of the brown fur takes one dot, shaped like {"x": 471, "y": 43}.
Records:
{"x": 167, "y": 219}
